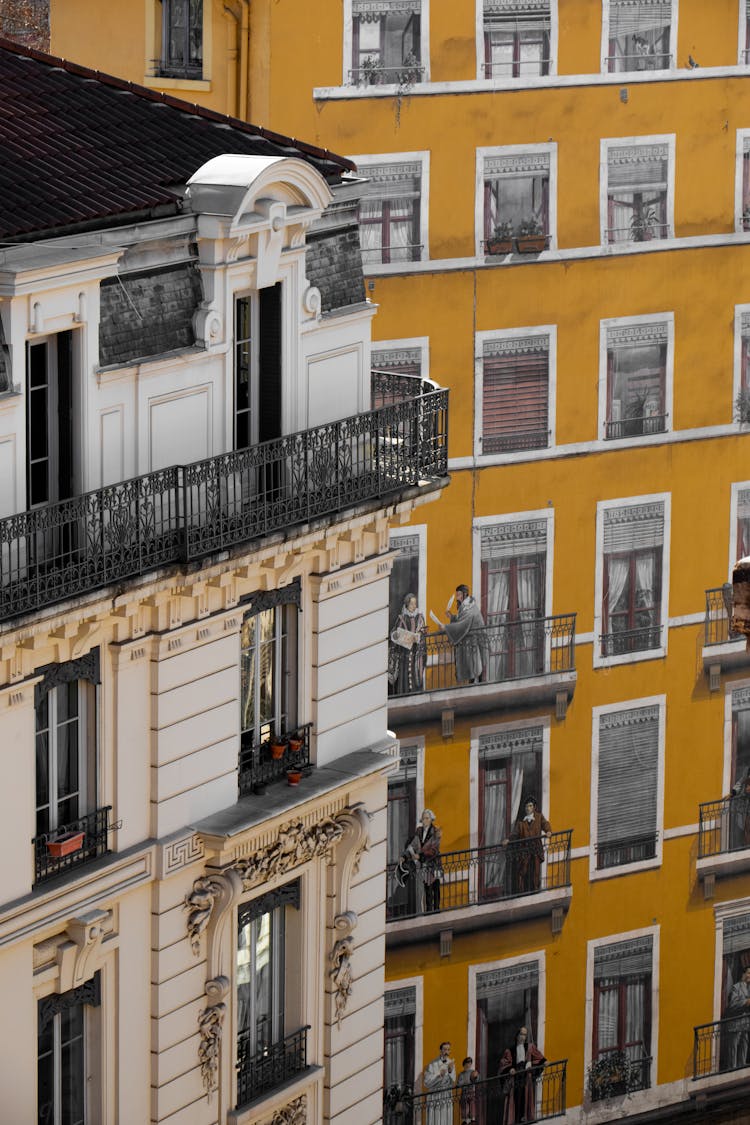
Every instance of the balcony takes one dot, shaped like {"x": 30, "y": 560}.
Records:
{"x": 262, "y": 765}
{"x": 635, "y": 427}
{"x": 185, "y": 513}
{"x": 618, "y": 1073}
{"x": 481, "y": 887}
{"x": 721, "y": 1047}
{"x": 619, "y": 853}
{"x": 723, "y": 650}
{"x": 542, "y": 1087}
{"x": 525, "y": 663}
{"x": 71, "y": 845}
{"x": 723, "y": 838}
{"x": 630, "y": 641}
{"x": 266, "y": 1069}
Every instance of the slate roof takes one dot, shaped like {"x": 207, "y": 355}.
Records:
{"x": 80, "y": 149}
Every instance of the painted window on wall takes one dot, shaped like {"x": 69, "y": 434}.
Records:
{"x": 637, "y": 185}
{"x": 507, "y": 998}
{"x": 633, "y": 550}
{"x": 513, "y": 597}
{"x": 386, "y": 42}
{"x": 182, "y": 39}
{"x": 743, "y": 523}
{"x": 390, "y": 213}
{"x": 516, "y": 38}
{"x": 622, "y": 1012}
{"x": 516, "y": 193}
{"x": 626, "y": 829}
{"x": 639, "y": 35}
{"x": 515, "y": 394}
{"x": 735, "y": 962}
{"x": 401, "y": 825}
{"x": 636, "y": 380}
{"x": 399, "y": 1029}
{"x": 395, "y": 375}
{"x": 510, "y": 771}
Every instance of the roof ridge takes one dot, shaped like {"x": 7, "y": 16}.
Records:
{"x": 148, "y": 94}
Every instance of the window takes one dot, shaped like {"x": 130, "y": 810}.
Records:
{"x": 632, "y": 579}
{"x": 400, "y": 1035}
{"x": 636, "y": 380}
{"x": 639, "y": 35}
{"x": 258, "y": 349}
{"x": 402, "y": 822}
{"x": 515, "y": 394}
{"x": 507, "y": 998}
{"x": 182, "y": 39}
{"x": 516, "y": 38}
{"x": 622, "y": 1016}
{"x": 627, "y": 786}
{"x": 395, "y": 375}
{"x": 513, "y": 597}
{"x": 65, "y": 1058}
{"x": 386, "y": 42}
{"x": 743, "y": 523}
{"x": 740, "y": 760}
{"x": 637, "y": 192}
{"x": 390, "y": 212}
{"x": 516, "y": 193}
{"x": 744, "y": 32}
{"x": 735, "y": 960}
{"x": 742, "y": 405}
{"x": 49, "y": 422}
{"x": 267, "y": 1054}
{"x": 510, "y": 770}
{"x": 744, "y": 218}
{"x": 268, "y": 666}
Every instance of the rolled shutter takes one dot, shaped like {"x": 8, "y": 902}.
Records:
{"x": 515, "y": 398}
{"x": 624, "y": 958}
{"x": 632, "y": 17}
{"x": 632, "y": 528}
{"x": 628, "y": 775}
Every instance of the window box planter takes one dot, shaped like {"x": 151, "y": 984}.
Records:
{"x": 531, "y": 243}
{"x": 66, "y": 844}
{"x": 499, "y": 245}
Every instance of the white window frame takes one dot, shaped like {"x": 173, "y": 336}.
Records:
{"x": 739, "y": 312}
{"x": 424, "y": 45}
{"x": 743, "y": 54}
{"x": 539, "y": 956}
{"x": 668, "y": 139}
{"x": 673, "y": 40}
{"x": 550, "y": 148}
{"x": 516, "y": 83}
{"x": 417, "y": 983}
{"x": 512, "y": 334}
{"x": 723, "y": 911}
{"x": 738, "y": 687}
{"x": 743, "y": 138}
{"x": 415, "y": 343}
{"x": 500, "y": 728}
{"x": 155, "y": 52}
{"x": 600, "y": 661}
{"x": 635, "y": 321}
{"x": 88, "y": 719}
{"x": 736, "y": 488}
{"x": 659, "y": 701}
{"x": 613, "y": 939}
{"x": 478, "y": 522}
{"x": 420, "y": 530}
{"x": 423, "y": 158}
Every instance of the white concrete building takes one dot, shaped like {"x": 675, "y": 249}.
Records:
{"x": 195, "y": 501}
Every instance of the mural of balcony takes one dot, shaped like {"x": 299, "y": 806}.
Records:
{"x": 71, "y": 846}
{"x": 524, "y": 663}
{"x": 723, "y": 650}
{"x": 541, "y": 1089}
{"x": 261, "y": 1071}
{"x": 479, "y": 887}
{"x": 272, "y": 761}
{"x": 722, "y": 1047}
{"x": 617, "y": 1073}
{"x": 626, "y": 641}
{"x": 723, "y": 837}
{"x": 187, "y": 512}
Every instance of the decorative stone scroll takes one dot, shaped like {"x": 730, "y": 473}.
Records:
{"x": 295, "y": 1113}
{"x": 210, "y": 1026}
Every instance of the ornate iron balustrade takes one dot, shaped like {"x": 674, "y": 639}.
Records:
{"x": 719, "y": 615}
{"x": 385, "y": 255}
{"x": 616, "y": 853}
{"x": 71, "y": 845}
{"x": 657, "y": 61}
{"x": 405, "y": 75}
{"x": 258, "y": 767}
{"x": 509, "y": 443}
{"x": 165, "y": 68}
{"x": 635, "y": 427}
{"x": 724, "y": 825}
{"x": 489, "y": 1100}
{"x": 631, "y": 640}
{"x": 721, "y": 1047}
{"x": 514, "y": 650}
{"x": 265, "y": 1069}
{"x": 477, "y": 876}
{"x": 185, "y": 513}
{"x": 387, "y": 387}
{"x": 617, "y": 1073}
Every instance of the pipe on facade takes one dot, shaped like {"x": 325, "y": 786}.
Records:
{"x": 241, "y": 58}
{"x": 232, "y": 58}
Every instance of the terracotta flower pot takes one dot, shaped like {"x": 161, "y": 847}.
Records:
{"x": 277, "y": 750}
{"x": 65, "y": 845}
{"x": 293, "y": 777}
{"x": 295, "y": 745}
{"x": 499, "y": 245}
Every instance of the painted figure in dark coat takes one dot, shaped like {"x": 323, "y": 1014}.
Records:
{"x": 465, "y": 631}
{"x": 522, "y": 1064}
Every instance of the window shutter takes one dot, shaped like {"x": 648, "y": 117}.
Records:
{"x": 512, "y": 540}
{"x": 400, "y": 1002}
{"x": 737, "y": 934}
{"x": 501, "y": 982}
{"x": 391, "y": 181}
{"x": 633, "y": 528}
{"x": 630, "y": 17}
{"x": 517, "y": 15}
{"x": 515, "y": 394}
{"x": 528, "y": 740}
{"x": 624, "y": 958}
{"x": 628, "y": 767}
{"x": 638, "y": 167}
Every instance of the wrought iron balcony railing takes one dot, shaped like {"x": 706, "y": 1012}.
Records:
{"x": 617, "y": 853}
{"x": 617, "y": 1073}
{"x": 185, "y": 513}
{"x": 261, "y": 765}
{"x": 387, "y": 387}
{"x": 719, "y": 615}
{"x": 724, "y": 826}
{"x": 385, "y": 255}
{"x": 477, "y": 876}
{"x": 71, "y": 845}
{"x": 259, "y": 1071}
{"x": 537, "y": 1094}
{"x": 514, "y": 650}
{"x": 405, "y": 75}
{"x": 631, "y": 64}
{"x": 176, "y": 68}
{"x": 524, "y": 438}
{"x": 721, "y": 1047}
{"x": 633, "y": 233}
{"x": 635, "y": 427}
{"x": 626, "y": 641}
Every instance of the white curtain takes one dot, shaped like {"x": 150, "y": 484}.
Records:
{"x": 635, "y": 1031}
{"x": 371, "y": 233}
{"x": 530, "y": 633}
{"x": 644, "y": 580}
{"x": 617, "y": 573}
{"x": 498, "y": 599}
{"x": 493, "y": 828}
{"x": 607, "y": 1019}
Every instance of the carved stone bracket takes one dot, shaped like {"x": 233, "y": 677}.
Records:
{"x": 210, "y": 1026}
{"x": 295, "y": 1113}
{"x": 341, "y": 973}
{"x": 79, "y": 958}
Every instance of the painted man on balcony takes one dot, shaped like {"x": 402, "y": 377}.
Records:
{"x": 423, "y": 854}
{"x": 738, "y": 1027}
{"x": 522, "y": 1064}
{"x": 465, "y": 631}
{"x": 739, "y": 804}
{"x": 439, "y": 1080}
{"x": 527, "y": 847}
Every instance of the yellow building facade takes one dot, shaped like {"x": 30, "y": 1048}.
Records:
{"x": 600, "y": 468}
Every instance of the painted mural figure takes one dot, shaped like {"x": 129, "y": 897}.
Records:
{"x": 527, "y": 848}
{"x": 466, "y": 1082}
{"x": 439, "y": 1080}
{"x": 738, "y": 1026}
{"x": 406, "y": 651}
{"x": 521, "y": 1063}
{"x": 739, "y": 806}
{"x": 421, "y": 859}
{"x": 465, "y": 631}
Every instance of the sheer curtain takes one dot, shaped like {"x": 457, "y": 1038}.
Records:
{"x": 644, "y": 591}
{"x": 530, "y": 653}
{"x": 635, "y": 1026}
{"x": 498, "y": 600}
{"x": 607, "y": 1013}
{"x": 617, "y": 577}
{"x": 494, "y": 824}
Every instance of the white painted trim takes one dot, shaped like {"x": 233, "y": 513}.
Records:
{"x": 669, "y": 139}
{"x": 511, "y": 334}
{"x": 348, "y": 40}
{"x": 421, "y": 342}
{"x": 524, "y": 959}
{"x": 628, "y": 502}
{"x": 726, "y": 775}
{"x": 627, "y": 75}
{"x": 424, "y": 198}
{"x": 550, "y": 147}
{"x": 659, "y": 701}
{"x": 742, "y": 136}
{"x": 680, "y": 831}
{"x": 522, "y": 724}
{"x": 612, "y": 939}
{"x": 580, "y": 853}
{"x": 585, "y": 638}
{"x": 741, "y": 35}
{"x": 514, "y": 517}
{"x": 420, "y": 530}
{"x": 737, "y": 356}
{"x": 479, "y": 35}
{"x": 687, "y": 619}
{"x": 735, "y": 489}
{"x": 417, "y": 983}
{"x": 633, "y": 321}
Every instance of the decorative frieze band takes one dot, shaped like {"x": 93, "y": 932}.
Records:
{"x": 383, "y": 359}
{"x": 635, "y": 335}
{"x": 525, "y": 741}
{"x": 516, "y": 345}
{"x": 638, "y": 154}
{"x": 636, "y": 716}
{"x": 515, "y": 164}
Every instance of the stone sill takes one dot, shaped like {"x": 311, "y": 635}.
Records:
{"x": 473, "y": 698}
{"x": 488, "y": 915}
{"x": 723, "y": 864}
{"x": 724, "y": 657}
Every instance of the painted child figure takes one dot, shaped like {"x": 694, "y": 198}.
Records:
{"x": 465, "y": 1083}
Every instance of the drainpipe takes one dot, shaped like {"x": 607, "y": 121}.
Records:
{"x": 232, "y": 55}
{"x": 244, "y": 107}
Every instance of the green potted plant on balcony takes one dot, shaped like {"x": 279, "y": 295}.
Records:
{"x": 530, "y": 237}
{"x": 643, "y": 224}
{"x": 371, "y": 72}
{"x": 608, "y": 1076}
{"x": 501, "y": 239}
{"x": 65, "y": 844}
{"x": 295, "y": 744}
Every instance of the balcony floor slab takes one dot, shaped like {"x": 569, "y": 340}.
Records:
{"x": 473, "y": 698}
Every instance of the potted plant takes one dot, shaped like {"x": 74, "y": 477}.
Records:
{"x": 609, "y": 1076}
{"x": 531, "y": 238}
{"x": 296, "y": 744}
{"x": 293, "y": 776}
{"x": 371, "y": 72}
{"x": 278, "y": 749}
{"x": 742, "y": 406}
{"x": 65, "y": 844}
{"x": 643, "y": 224}
{"x": 501, "y": 239}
